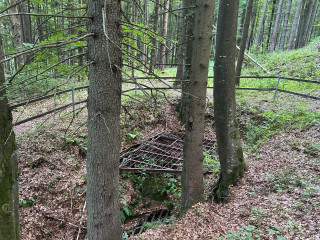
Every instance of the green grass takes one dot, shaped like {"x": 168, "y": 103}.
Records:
{"x": 300, "y": 63}
{"x": 260, "y": 117}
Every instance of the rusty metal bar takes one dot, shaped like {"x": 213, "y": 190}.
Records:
{"x": 151, "y": 170}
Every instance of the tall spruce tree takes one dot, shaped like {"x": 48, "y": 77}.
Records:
{"x": 192, "y": 174}
{"x": 104, "y": 101}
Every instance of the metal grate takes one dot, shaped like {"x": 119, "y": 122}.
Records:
{"x": 162, "y": 153}
{"x": 159, "y": 215}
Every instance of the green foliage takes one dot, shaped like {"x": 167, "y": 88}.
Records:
{"x": 48, "y": 68}
{"x": 155, "y": 186}
{"x": 142, "y": 33}
{"x": 125, "y": 211}
{"x": 25, "y": 203}
{"x": 211, "y": 162}
{"x": 138, "y": 112}
{"x": 132, "y": 136}
{"x": 80, "y": 140}
{"x": 301, "y": 64}
{"x": 173, "y": 187}
{"x": 259, "y": 126}
{"x": 300, "y": 118}
{"x": 154, "y": 224}
{"x": 313, "y": 150}
{"x": 289, "y": 180}
{"x": 250, "y": 232}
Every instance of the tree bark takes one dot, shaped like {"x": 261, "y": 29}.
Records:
{"x": 253, "y": 25}
{"x": 276, "y": 27}
{"x": 261, "y": 26}
{"x": 285, "y": 25}
{"x": 305, "y": 21}
{"x": 26, "y": 23}
{"x": 270, "y": 23}
{"x": 144, "y": 46}
{"x": 17, "y": 32}
{"x": 311, "y": 24}
{"x": 230, "y": 152}
{"x": 294, "y": 26}
{"x": 39, "y": 28}
{"x": 180, "y": 53}
{"x": 104, "y": 101}
{"x": 188, "y": 17}
{"x": 154, "y": 40}
{"x": 164, "y": 35}
{"x": 192, "y": 173}
{"x": 243, "y": 16}
{"x": 134, "y": 37}
{"x": 9, "y": 197}
{"x": 243, "y": 40}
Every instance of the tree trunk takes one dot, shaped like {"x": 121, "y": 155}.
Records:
{"x": 253, "y": 25}
{"x": 302, "y": 20}
{"x": 285, "y": 25}
{"x": 104, "y": 101}
{"x": 134, "y": 37}
{"x": 26, "y": 23}
{"x": 313, "y": 17}
{"x": 243, "y": 15}
{"x": 261, "y": 26}
{"x": 154, "y": 40}
{"x": 180, "y": 53}
{"x": 170, "y": 47}
{"x": 230, "y": 152}
{"x": 305, "y": 21}
{"x": 192, "y": 174}
{"x": 164, "y": 35}
{"x": 144, "y": 45}
{"x": 270, "y": 23}
{"x": 276, "y": 27}
{"x": 17, "y": 32}
{"x": 9, "y": 197}
{"x": 294, "y": 26}
{"x": 243, "y": 40}
{"x": 39, "y": 25}
{"x": 188, "y": 17}
{"x": 71, "y": 32}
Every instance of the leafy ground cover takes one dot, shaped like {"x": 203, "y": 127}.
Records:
{"x": 279, "y": 197}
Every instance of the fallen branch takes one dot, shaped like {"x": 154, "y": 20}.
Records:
{"x": 48, "y": 112}
{"x": 62, "y": 220}
{"x": 79, "y": 231}
{"x": 45, "y": 97}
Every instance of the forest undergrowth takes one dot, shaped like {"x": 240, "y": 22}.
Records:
{"x": 279, "y": 197}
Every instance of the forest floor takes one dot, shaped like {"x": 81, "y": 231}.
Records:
{"x": 278, "y": 198}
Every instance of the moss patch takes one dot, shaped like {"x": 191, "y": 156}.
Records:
{"x": 9, "y": 223}
{"x": 220, "y": 190}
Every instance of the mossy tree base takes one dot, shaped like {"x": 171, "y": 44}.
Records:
{"x": 220, "y": 191}
{"x": 9, "y": 217}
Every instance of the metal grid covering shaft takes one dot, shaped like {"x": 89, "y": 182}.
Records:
{"x": 162, "y": 153}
